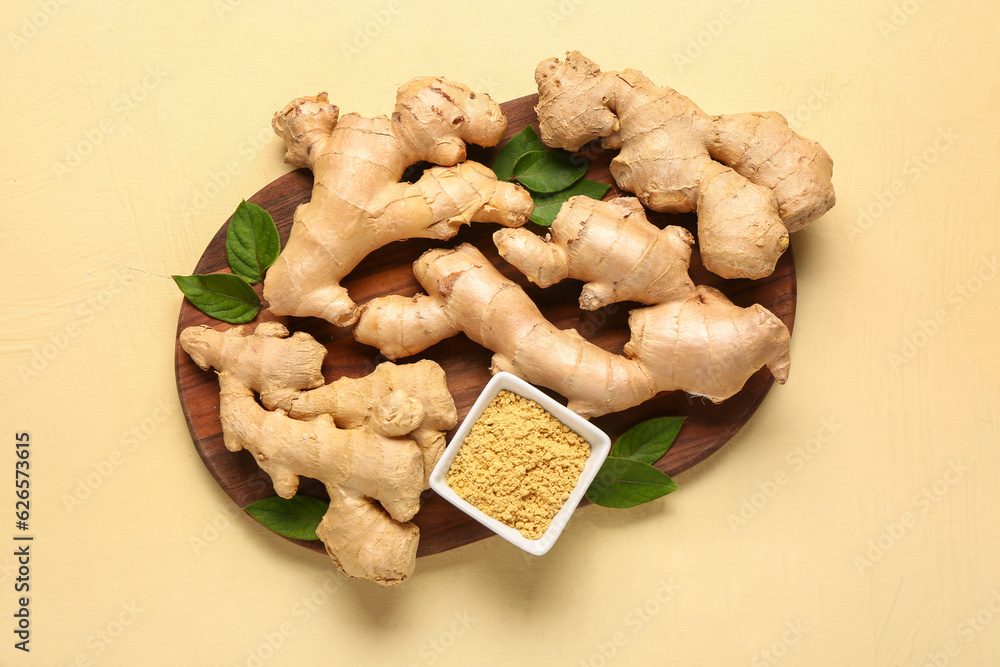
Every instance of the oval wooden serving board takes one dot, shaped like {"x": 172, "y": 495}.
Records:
{"x": 389, "y": 271}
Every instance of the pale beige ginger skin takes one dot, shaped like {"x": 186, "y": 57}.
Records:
{"x": 697, "y": 341}
{"x": 750, "y": 177}
{"x": 358, "y": 203}
{"x": 518, "y": 464}
{"x": 645, "y": 264}
{"x": 692, "y": 337}
{"x": 271, "y": 362}
{"x": 373, "y": 475}
{"x": 466, "y": 293}
{"x": 411, "y": 400}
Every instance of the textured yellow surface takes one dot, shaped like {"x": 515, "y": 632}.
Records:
{"x": 853, "y": 522}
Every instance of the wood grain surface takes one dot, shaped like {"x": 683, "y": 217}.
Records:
{"x": 707, "y": 428}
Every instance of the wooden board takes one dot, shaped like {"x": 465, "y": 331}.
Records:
{"x": 388, "y": 270}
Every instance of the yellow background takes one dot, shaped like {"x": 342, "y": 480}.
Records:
{"x": 880, "y": 547}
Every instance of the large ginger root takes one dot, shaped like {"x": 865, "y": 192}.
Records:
{"x": 354, "y": 464}
{"x": 693, "y": 335}
{"x": 750, "y": 177}
{"x": 358, "y": 202}
{"x": 696, "y": 341}
{"x": 373, "y": 475}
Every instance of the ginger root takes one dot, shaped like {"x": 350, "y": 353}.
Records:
{"x": 347, "y": 434}
{"x": 750, "y": 177}
{"x": 410, "y": 400}
{"x": 692, "y": 338}
{"x": 612, "y": 247}
{"x": 358, "y": 202}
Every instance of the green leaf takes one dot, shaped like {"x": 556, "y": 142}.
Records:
{"x": 296, "y": 517}
{"x": 523, "y": 142}
{"x": 648, "y": 441}
{"x": 252, "y": 242}
{"x": 224, "y": 296}
{"x": 623, "y": 483}
{"x": 549, "y": 171}
{"x": 547, "y": 206}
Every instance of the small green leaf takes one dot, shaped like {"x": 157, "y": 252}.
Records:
{"x": 252, "y": 242}
{"x": 224, "y": 296}
{"x": 648, "y": 441}
{"x": 623, "y": 483}
{"x": 547, "y": 206}
{"x": 549, "y": 171}
{"x": 296, "y": 517}
{"x": 523, "y": 142}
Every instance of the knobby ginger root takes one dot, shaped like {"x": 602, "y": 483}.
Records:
{"x": 347, "y": 435}
{"x": 411, "y": 400}
{"x": 612, "y": 247}
{"x": 269, "y": 361}
{"x": 691, "y": 338}
{"x": 358, "y": 202}
{"x": 697, "y": 341}
{"x": 750, "y": 177}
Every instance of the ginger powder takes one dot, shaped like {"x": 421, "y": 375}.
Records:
{"x": 518, "y": 464}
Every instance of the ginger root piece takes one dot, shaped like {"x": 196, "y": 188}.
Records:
{"x": 611, "y": 246}
{"x": 262, "y": 360}
{"x": 697, "y": 342}
{"x": 411, "y": 400}
{"x": 373, "y": 475}
{"x": 750, "y": 177}
{"x": 358, "y": 202}
{"x": 692, "y": 336}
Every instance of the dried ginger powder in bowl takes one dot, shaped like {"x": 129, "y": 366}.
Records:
{"x": 518, "y": 464}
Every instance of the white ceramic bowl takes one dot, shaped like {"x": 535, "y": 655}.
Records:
{"x": 600, "y": 445}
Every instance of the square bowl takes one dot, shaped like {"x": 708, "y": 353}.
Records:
{"x": 600, "y": 446}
